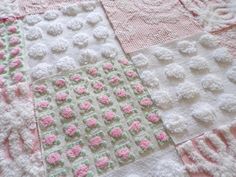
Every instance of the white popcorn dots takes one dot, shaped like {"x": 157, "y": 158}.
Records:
{"x": 149, "y": 79}
{"x": 212, "y": 83}
{"x": 75, "y": 24}
{"x": 163, "y": 54}
{"x": 198, "y": 63}
{"x": 34, "y": 33}
{"x": 81, "y": 40}
{"x": 187, "y": 91}
{"x": 222, "y": 56}
{"x": 55, "y": 29}
{"x": 174, "y": 71}
{"x": 38, "y": 51}
{"x": 227, "y": 102}
{"x": 88, "y": 56}
{"x": 93, "y": 18}
{"x": 203, "y": 112}
{"x": 109, "y": 51}
{"x": 175, "y": 123}
{"x": 162, "y": 99}
{"x": 231, "y": 74}
{"x": 208, "y": 41}
{"x": 101, "y": 33}
{"x": 140, "y": 60}
{"x": 42, "y": 70}
{"x": 51, "y": 15}
{"x": 59, "y": 46}
{"x": 66, "y": 64}
{"x": 187, "y": 47}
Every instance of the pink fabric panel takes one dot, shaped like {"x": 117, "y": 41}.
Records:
{"x": 143, "y": 23}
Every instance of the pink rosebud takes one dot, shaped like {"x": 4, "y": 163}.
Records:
{"x": 116, "y": 132}
{"x": 91, "y": 122}
{"x": 71, "y": 130}
{"x": 135, "y": 126}
{"x": 12, "y": 29}
{"x": 144, "y": 144}
{"x": 95, "y": 141}
{"x": 114, "y": 80}
{"x": 98, "y": 85}
{"x": 104, "y": 99}
{"x": 2, "y": 55}
{"x": 60, "y": 83}
{"x": 93, "y": 71}
{"x": 124, "y": 61}
{"x": 146, "y": 102}
{"x": 67, "y": 113}
{"x": 1, "y": 44}
{"x": 76, "y": 78}
{"x": 123, "y": 153}
{"x": 2, "y": 69}
{"x": 109, "y": 115}
{"x": 128, "y": 109}
{"x": 121, "y": 93}
{"x": 15, "y": 52}
{"x": 152, "y": 117}
{"x": 46, "y": 121}
{"x": 41, "y": 89}
{"x": 54, "y": 158}
{"x": 85, "y": 106}
{"x": 108, "y": 66}
{"x": 61, "y": 96}
{"x": 43, "y": 104}
{"x": 18, "y": 77}
{"x": 80, "y": 90}
{"x": 102, "y": 163}
{"x": 50, "y": 139}
{"x": 14, "y": 41}
{"x": 162, "y": 136}
{"x": 15, "y": 63}
{"x": 138, "y": 88}
{"x": 131, "y": 74}
{"x": 74, "y": 151}
{"x": 82, "y": 171}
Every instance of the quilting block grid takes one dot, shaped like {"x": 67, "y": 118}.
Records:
{"x": 192, "y": 81}
{"x": 12, "y": 66}
{"x": 96, "y": 119}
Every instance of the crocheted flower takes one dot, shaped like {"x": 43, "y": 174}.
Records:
{"x": 138, "y": 88}
{"x": 12, "y": 29}
{"x": 46, "y": 121}
{"x": 108, "y": 66}
{"x": 75, "y": 78}
{"x": 127, "y": 109}
{"x": 114, "y": 80}
{"x": 14, "y": 52}
{"x": 61, "y": 96}
{"x": 104, "y": 99}
{"x": 2, "y": 69}
{"x": 98, "y": 86}
{"x": 121, "y": 93}
{"x": 81, "y": 90}
{"x": 131, "y": 74}
{"x": 71, "y": 130}
{"x": 123, "y": 153}
{"x": 74, "y": 151}
{"x": 60, "y": 83}
{"x": 135, "y": 126}
{"x": 93, "y": 71}
{"x": 67, "y": 113}
{"x": 109, "y": 115}
{"x": 50, "y": 139}
{"x": 102, "y": 162}
{"x": 18, "y": 77}
{"x": 86, "y": 106}
{"x": 82, "y": 171}
{"x": 95, "y": 141}
{"x": 41, "y": 89}
{"x": 144, "y": 144}
{"x": 15, "y": 63}
{"x": 54, "y": 158}
{"x": 91, "y": 122}
{"x": 152, "y": 117}
{"x": 146, "y": 102}
{"x": 162, "y": 136}
{"x": 116, "y": 132}
{"x": 43, "y": 104}
{"x": 124, "y": 61}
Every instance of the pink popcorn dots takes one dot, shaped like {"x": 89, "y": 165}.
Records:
{"x": 82, "y": 171}
{"x": 162, "y": 136}
{"x": 104, "y": 99}
{"x": 14, "y": 41}
{"x": 60, "y": 83}
{"x": 92, "y": 71}
{"x": 138, "y": 88}
{"x": 95, "y": 142}
{"x": 91, "y": 122}
{"x": 131, "y": 74}
{"x": 71, "y": 130}
{"x": 102, "y": 163}
{"x": 98, "y": 86}
{"x": 124, "y": 61}
{"x": 61, "y": 96}
{"x": 153, "y": 118}
{"x": 76, "y": 78}
{"x": 135, "y": 126}
{"x": 53, "y": 158}
{"x": 108, "y": 67}
{"x": 46, "y": 121}
{"x": 81, "y": 90}
{"x": 144, "y": 144}
{"x": 86, "y": 106}
{"x": 114, "y": 80}
{"x": 16, "y": 63}
{"x": 41, "y": 89}
{"x": 2, "y": 69}
{"x": 109, "y": 115}
{"x": 14, "y": 52}
{"x": 74, "y": 151}
{"x": 67, "y": 113}
{"x": 49, "y": 140}
{"x": 127, "y": 109}
{"x": 123, "y": 153}
{"x": 116, "y": 132}
{"x": 12, "y": 29}
{"x": 121, "y": 93}
{"x": 18, "y": 77}
{"x": 43, "y": 105}
{"x": 146, "y": 102}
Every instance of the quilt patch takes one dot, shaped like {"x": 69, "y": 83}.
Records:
{"x": 96, "y": 119}
{"x": 192, "y": 81}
